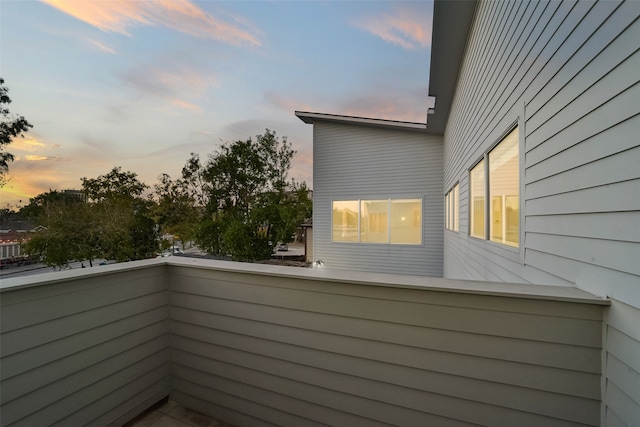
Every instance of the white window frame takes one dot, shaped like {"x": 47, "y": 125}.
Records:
{"x": 452, "y": 208}
{"x": 389, "y": 237}
{"x": 487, "y": 183}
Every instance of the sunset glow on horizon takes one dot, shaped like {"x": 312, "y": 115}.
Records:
{"x": 142, "y": 84}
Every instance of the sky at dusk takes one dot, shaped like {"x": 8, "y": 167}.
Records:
{"x": 142, "y": 84}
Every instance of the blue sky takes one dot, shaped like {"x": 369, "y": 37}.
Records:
{"x": 142, "y": 84}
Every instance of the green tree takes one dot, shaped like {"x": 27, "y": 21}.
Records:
{"x": 10, "y": 127}
{"x": 249, "y": 203}
{"x": 123, "y": 218}
{"x": 69, "y": 229}
{"x": 175, "y": 210}
{"x": 115, "y": 222}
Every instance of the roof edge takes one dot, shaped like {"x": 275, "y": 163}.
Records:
{"x": 452, "y": 22}
{"x": 311, "y": 117}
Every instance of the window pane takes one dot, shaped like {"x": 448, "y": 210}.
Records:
{"x": 456, "y": 207}
{"x": 504, "y": 188}
{"x": 447, "y": 211}
{"x": 406, "y": 221}
{"x": 345, "y": 221}
{"x": 374, "y": 221}
{"x": 477, "y": 200}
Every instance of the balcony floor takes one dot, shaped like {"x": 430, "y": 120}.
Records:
{"x": 170, "y": 414}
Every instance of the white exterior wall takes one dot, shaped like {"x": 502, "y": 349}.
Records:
{"x": 354, "y": 162}
{"x": 567, "y": 73}
{"x": 264, "y": 345}
{"x": 87, "y": 347}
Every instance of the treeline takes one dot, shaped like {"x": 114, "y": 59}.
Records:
{"x": 238, "y": 202}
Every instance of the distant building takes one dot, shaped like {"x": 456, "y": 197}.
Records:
{"x": 76, "y": 193}
{"x": 12, "y": 235}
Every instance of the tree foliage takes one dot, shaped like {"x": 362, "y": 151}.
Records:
{"x": 175, "y": 209}
{"x": 243, "y": 196}
{"x": 69, "y": 233}
{"x": 114, "y": 222}
{"x": 239, "y": 202}
{"x": 10, "y": 127}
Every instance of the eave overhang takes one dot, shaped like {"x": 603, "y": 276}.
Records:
{"x": 311, "y": 118}
{"x": 452, "y": 22}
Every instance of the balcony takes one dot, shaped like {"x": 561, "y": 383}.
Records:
{"x": 260, "y": 345}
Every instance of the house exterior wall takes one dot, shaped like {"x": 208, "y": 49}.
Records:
{"x": 567, "y": 74}
{"x": 308, "y": 245}
{"x": 86, "y": 350}
{"x": 354, "y": 162}
{"x": 263, "y": 345}
{"x": 346, "y": 349}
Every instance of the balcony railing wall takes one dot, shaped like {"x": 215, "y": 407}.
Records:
{"x": 257, "y": 345}
{"x": 83, "y": 347}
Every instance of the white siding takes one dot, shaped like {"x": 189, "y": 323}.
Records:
{"x": 258, "y": 349}
{"x": 92, "y": 350}
{"x": 354, "y": 162}
{"x": 264, "y": 345}
{"x": 567, "y": 72}
{"x": 621, "y": 366}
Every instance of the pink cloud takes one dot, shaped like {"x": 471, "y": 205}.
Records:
{"x": 180, "y": 15}
{"x": 406, "y": 27}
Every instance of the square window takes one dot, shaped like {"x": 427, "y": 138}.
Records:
{"x": 406, "y": 221}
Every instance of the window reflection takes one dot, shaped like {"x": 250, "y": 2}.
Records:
{"x": 397, "y": 221}
{"x": 504, "y": 187}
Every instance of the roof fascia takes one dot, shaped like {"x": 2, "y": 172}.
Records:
{"x": 311, "y": 118}
{"x": 452, "y": 22}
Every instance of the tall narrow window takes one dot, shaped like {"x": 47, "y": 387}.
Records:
{"x": 452, "y": 207}
{"x": 456, "y": 207}
{"x": 447, "y": 211}
{"x": 374, "y": 221}
{"x": 504, "y": 189}
{"x": 477, "y": 204}
{"x": 345, "y": 221}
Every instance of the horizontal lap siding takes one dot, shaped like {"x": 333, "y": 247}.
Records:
{"x": 568, "y": 72}
{"x": 358, "y": 162}
{"x": 621, "y": 384}
{"x": 92, "y": 350}
{"x": 291, "y": 352}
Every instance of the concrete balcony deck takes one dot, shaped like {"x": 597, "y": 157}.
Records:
{"x": 170, "y": 414}
{"x": 264, "y": 345}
